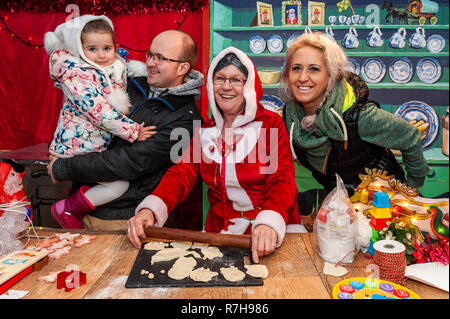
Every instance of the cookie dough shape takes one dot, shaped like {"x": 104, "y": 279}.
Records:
{"x": 211, "y": 252}
{"x": 258, "y": 271}
{"x": 202, "y": 274}
{"x": 182, "y": 268}
{"x": 155, "y": 245}
{"x": 181, "y": 244}
{"x": 168, "y": 254}
{"x": 232, "y": 274}
{"x": 332, "y": 270}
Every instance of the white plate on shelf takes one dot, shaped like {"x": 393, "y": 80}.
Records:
{"x": 272, "y": 103}
{"x": 417, "y": 110}
{"x": 257, "y": 44}
{"x": 428, "y": 70}
{"x": 291, "y": 39}
{"x": 352, "y": 66}
{"x": 435, "y": 43}
{"x": 373, "y": 70}
{"x": 275, "y": 43}
{"x": 401, "y": 70}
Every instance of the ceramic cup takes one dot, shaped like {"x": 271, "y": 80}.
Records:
{"x": 417, "y": 40}
{"x": 332, "y": 20}
{"x": 342, "y": 19}
{"x": 397, "y": 40}
{"x": 355, "y": 18}
{"x": 350, "y": 40}
{"x": 374, "y": 38}
{"x": 361, "y": 20}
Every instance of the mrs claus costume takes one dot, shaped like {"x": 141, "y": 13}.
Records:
{"x": 251, "y": 182}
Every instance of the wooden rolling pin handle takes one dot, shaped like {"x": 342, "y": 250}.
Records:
{"x": 216, "y": 239}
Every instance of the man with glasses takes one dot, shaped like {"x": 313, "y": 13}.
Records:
{"x": 165, "y": 97}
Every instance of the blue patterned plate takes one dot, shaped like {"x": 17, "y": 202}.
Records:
{"x": 352, "y": 66}
{"x": 416, "y": 110}
{"x": 373, "y": 70}
{"x": 272, "y": 103}
{"x": 401, "y": 70}
{"x": 435, "y": 43}
{"x": 428, "y": 70}
{"x": 257, "y": 44}
{"x": 275, "y": 43}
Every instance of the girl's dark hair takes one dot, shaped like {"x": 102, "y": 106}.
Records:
{"x": 231, "y": 59}
{"x": 100, "y": 26}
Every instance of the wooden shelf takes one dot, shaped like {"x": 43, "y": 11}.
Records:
{"x": 363, "y": 54}
{"x": 334, "y": 27}
{"x": 411, "y": 85}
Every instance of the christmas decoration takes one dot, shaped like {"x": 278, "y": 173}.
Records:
{"x": 106, "y": 7}
{"x": 401, "y": 232}
{"x": 432, "y": 252}
{"x": 425, "y": 215}
{"x": 12, "y": 194}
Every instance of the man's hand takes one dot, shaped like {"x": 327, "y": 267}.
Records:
{"x": 50, "y": 169}
{"x": 146, "y": 132}
{"x": 137, "y": 224}
{"x": 264, "y": 239}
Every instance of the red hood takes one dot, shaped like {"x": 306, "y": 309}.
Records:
{"x": 252, "y": 90}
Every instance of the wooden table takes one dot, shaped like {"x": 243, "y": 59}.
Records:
{"x": 295, "y": 272}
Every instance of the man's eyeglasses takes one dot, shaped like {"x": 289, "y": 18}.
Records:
{"x": 158, "y": 57}
{"x": 220, "y": 80}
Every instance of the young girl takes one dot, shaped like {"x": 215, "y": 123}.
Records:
{"x": 85, "y": 65}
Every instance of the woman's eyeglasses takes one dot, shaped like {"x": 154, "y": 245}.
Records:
{"x": 158, "y": 57}
{"x": 220, "y": 80}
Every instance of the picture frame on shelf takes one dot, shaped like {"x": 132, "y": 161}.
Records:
{"x": 265, "y": 14}
{"x": 316, "y": 13}
{"x": 291, "y": 12}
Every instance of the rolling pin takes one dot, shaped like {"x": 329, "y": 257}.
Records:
{"x": 216, "y": 239}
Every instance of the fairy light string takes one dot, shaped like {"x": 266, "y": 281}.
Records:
{"x": 29, "y": 39}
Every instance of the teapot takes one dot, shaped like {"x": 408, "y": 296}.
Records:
{"x": 397, "y": 40}
{"x": 350, "y": 40}
{"x": 374, "y": 39}
{"x": 417, "y": 40}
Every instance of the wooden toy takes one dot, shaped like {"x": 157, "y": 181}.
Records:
{"x": 18, "y": 264}
{"x": 371, "y": 288}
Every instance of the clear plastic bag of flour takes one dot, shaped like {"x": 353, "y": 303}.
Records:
{"x": 335, "y": 227}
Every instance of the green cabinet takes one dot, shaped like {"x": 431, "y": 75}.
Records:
{"x": 232, "y": 24}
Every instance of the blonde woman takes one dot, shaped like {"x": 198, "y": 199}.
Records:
{"x": 334, "y": 128}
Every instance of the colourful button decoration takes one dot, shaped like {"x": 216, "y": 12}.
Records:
{"x": 371, "y": 284}
{"x": 356, "y": 284}
{"x": 387, "y": 287}
{"x": 371, "y": 288}
{"x": 347, "y": 288}
{"x": 345, "y": 295}
{"x": 401, "y": 293}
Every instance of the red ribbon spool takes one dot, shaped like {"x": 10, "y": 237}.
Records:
{"x": 392, "y": 265}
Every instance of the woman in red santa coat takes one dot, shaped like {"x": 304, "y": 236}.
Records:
{"x": 244, "y": 158}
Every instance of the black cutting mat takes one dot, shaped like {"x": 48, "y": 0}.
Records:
{"x": 232, "y": 256}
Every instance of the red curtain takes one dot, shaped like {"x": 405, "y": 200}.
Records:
{"x": 29, "y": 102}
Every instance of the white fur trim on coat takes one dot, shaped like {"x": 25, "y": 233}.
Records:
{"x": 296, "y": 228}
{"x": 52, "y": 42}
{"x": 157, "y": 206}
{"x": 120, "y": 101}
{"x": 136, "y": 68}
{"x": 274, "y": 220}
